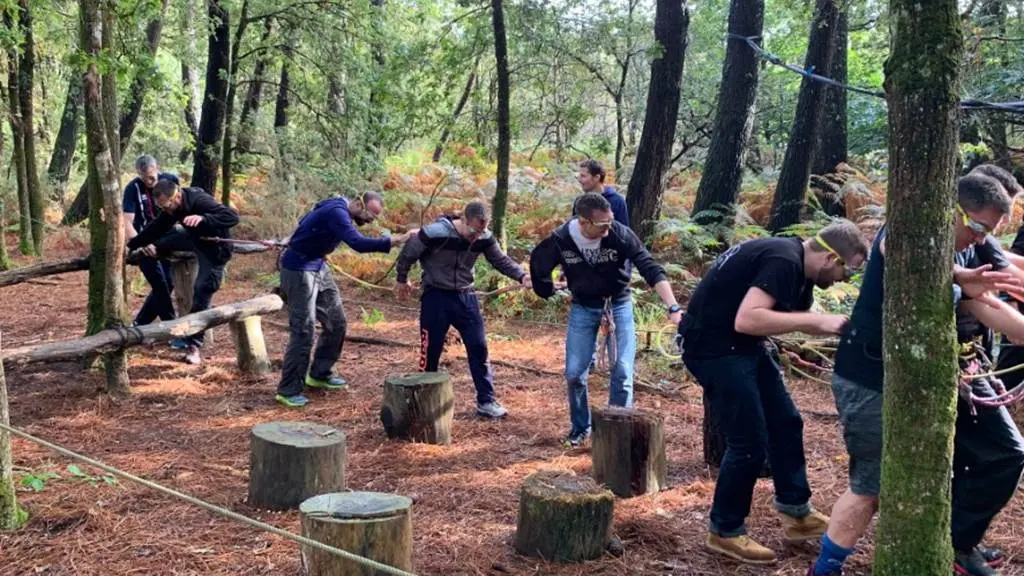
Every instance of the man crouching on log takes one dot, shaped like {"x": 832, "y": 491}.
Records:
{"x": 447, "y": 249}
{"x": 988, "y": 453}
{"x": 594, "y": 252}
{"x": 202, "y": 218}
{"x": 756, "y": 289}
{"x": 308, "y": 288}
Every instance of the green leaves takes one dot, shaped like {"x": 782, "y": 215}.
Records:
{"x": 37, "y": 481}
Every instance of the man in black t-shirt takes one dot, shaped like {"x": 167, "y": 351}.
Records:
{"x": 757, "y": 289}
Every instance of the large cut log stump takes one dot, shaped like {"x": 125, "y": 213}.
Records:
{"x": 628, "y": 451}
{"x": 250, "y": 348}
{"x": 563, "y": 517}
{"x": 372, "y": 525}
{"x": 293, "y": 461}
{"x": 419, "y": 407}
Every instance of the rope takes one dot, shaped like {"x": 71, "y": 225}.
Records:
{"x": 607, "y": 352}
{"x": 968, "y": 104}
{"x": 384, "y": 568}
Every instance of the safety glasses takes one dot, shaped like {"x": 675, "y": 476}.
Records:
{"x": 974, "y": 225}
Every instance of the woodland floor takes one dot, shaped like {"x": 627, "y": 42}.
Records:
{"x": 187, "y": 427}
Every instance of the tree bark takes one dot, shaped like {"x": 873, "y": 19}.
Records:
{"x": 19, "y": 275}
{"x": 831, "y": 147}
{"x": 281, "y": 104}
{"x": 504, "y": 130}
{"x": 628, "y": 451}
{"x": 26, "y": 81}
{"x": 190, "y": 79}
{"x": 923, "y": 87}
{"x": 254, "y": 93}
{"x": 143, "y": 78}
{"x": 292, "y": 461}
{"x": 723, "y": 170}
{"x": 796, "y": 167}
{"x": 63, "y": 154}
{"x": 993, "y": 15}
{"x": 458, "y": 112}
{"x": 418, "y": 407}
{"x": 25, "y": 244}
{"x": 101, "y": 137}
{"x": 111, "y": 339}
{"x": 375, "y": 525}
{"x": 563, "y": 517}
{"x": 11, "y": 517}
{"x": 671, "y": 21}
{"x": 5, "y": 257}
{"x": 227, "y": 147}
{"x": 211, "y": 125}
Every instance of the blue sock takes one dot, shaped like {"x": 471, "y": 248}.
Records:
{"x": 831, "y": 558}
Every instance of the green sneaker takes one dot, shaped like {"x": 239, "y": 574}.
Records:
{"x": 332, "y": 383}
{"x": 297, "y": 401}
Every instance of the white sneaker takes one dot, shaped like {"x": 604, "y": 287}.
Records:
{"x": 192, "y": 356}
{"x": 491, "y": 410}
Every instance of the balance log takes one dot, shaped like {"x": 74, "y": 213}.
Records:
{"x": 250, "y": 347}
{"x": 373, "y": 525}
{"x": 628, "y": 451}
{"x": 292, "y": 461}
{"x": 419, "y": 407}
{"x": 563, "y": 517}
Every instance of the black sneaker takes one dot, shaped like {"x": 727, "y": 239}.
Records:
{"x": 994, "y": 557}
{"x": 972, "y": 564}
{"x": 574, "y": 439}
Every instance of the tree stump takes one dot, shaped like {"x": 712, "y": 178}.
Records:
{"x": 250, "y": 348}
{"x": 419, "y": 407}
{"x": 628, "y": 451}
{"x": 184, "y": 273}
{"x": 373, "y": 525}
{"x": 293, "y": 461}
{"x": 563, "y": 517}
{"x": 714, "y": 441}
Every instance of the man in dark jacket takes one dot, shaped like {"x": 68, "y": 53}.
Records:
{"x": 139, "y": 211}
{"x": 591, "y": 179}
{"x": 309, "y": 289}
{"x": 594, "y": 251}
{"x": 203, "y": 219}
{"x": 447, "y": 249}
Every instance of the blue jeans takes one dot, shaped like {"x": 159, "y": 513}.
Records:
{"x": 580, "y": 341}
{"x": 758, "y": 417}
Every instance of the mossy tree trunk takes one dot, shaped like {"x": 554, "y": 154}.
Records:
{"x": 11, "y": 517}
{"x": 18, "y": 148}
{"x": 923, "y": 77}
{"x": 102, "y": 139}
{"x": 206, "y": 167}
{"x": 26, "y": 81}
{"x": 504, "y": 128}
{"x": 832, "y": 147}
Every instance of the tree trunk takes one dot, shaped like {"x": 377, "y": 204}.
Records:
{"x": 26, "y": 81}
{"x": 227, "y": 148}
{"x": 628, "y": 451}
{"x": 63, "y": 154}
{"x": 211, "y": 125}
{"x": 458, "y": 111}
{"x": 144, "y": 73}
{"x": 418, "y": 407}
{"x": 723, "y": 170}
{"x": 5, "y": 257}
{"x": 830, "y": 149}
{"x": 109, "y": 340}
{"x": 374, "y": 525}
{"x": 11, "y": 517}
{"x": 923, "y": 87}
{"x": 281, "y": 104}
{"x": 25, "y": 245}
{"x": 671, "y": 21}
{"x": 102, "y": 140}
{"x": 254, "y": 94}
{"x": 504, "y": 130}
{"x": 292, "y": 461}
{"x": 563, "y": 517}
{"x": 190, "y": 79}
{"x": 993, "y": 21}
{"x": 796, "y": 167}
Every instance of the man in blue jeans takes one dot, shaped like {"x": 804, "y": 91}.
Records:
{"x": 594, "y": 252}
{"x": 139, "y": 211}
{"x": 756, "y": 289}
{"x": 448, "y": 249}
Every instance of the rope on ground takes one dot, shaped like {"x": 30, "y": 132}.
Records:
{"x": 383, "y": 568}
{"x": 968, "y": 104}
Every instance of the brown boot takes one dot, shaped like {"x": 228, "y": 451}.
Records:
{"x": 809, "y": 527}
{"x": 742, "y": 548}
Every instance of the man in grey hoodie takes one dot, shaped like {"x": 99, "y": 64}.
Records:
{"x": 447, "y": 249}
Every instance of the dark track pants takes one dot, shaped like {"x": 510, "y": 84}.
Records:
{"x": 443, "y": 309}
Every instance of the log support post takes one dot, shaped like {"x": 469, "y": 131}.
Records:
{"x": 419, "y": 407}
{"x": 373, "y": 525}
{"x": 250, "y": 348}
{"x": 628, "y": 451}
{"x": 292, "y": 461}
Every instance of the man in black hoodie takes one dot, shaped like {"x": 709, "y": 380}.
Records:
{"x": 203, "y": 219}
{"x": 594, "y": 252}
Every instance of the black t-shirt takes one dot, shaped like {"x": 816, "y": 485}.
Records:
{"x": 990, "y": 252}
{"x": 775, "y": 265}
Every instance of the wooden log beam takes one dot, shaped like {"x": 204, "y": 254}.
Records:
{"x": 25, "y": 273}
{"x": 114, "y": 339}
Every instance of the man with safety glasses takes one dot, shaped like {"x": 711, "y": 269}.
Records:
{"x": 447, "y": 250}
{"x": 756, "y": 289}
{"x": 593, "y": 250}
{"x": 988, "y": 450}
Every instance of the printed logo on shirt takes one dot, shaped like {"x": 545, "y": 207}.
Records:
{"x": 726, "y": 256}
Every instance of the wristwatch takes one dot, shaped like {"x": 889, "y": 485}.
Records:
{"x": 674, "y": 308}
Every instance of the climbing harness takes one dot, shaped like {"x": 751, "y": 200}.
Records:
{"x": 607, "y": 352}
{"x": 975, "y": 365}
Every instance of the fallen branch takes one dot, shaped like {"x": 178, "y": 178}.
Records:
{"x": 118, "y": 338}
